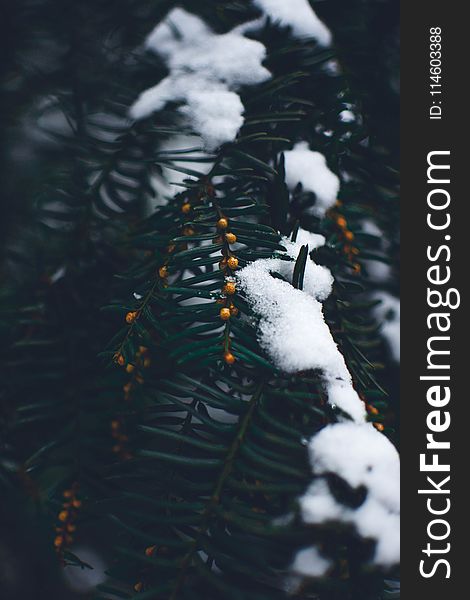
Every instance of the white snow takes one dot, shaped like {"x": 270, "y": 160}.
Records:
{"x": 388, "y": 313}
{"x": 299, "y": 16}
{"x": 292, "y": 329}
{"x": 311, "y": 563}
{"x": 361, "y": 456}
{"x": 311, "y": 170}
{"x": 347, "y": 116}
{"x": 294, "y": 334}
{"x": 206, "y": 70}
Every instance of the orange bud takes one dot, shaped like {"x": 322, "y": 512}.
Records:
{"x": 186, "y": 208}
{"x": 229, "y": 358}
{"x": 131, "y": 316}
{"x": 224, "y": 314}
{"x": 229, "y": 288}
{"x": 232, "y": 262}
{"x": 222, "y": 223}
{"x": 231, "y": 238}
{"x": 150, "y": 550}
{"x": 357, "y": 267}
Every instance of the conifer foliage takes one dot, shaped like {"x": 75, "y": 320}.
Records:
{"x": 199, "y": 301}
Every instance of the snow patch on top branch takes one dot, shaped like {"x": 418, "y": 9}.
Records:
{"x": 299, "y": 16}
{"x": 206, "y": 69}
{"x": 310, "y": 169}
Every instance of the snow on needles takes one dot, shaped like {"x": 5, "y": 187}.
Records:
{"x": 292, "y": 329}
{"x": 310, "y": 562}
{"x": 299, "y": 16}
{"x": 310, "y": 169}
{"x": 361, "y": 456}
{"x": 206, "y": 69}
{"x": 294, "y": 334}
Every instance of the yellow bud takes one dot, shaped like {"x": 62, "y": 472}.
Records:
{"x": 231, "y": 238}
{"x": 224, "y": 314}
{"x": 229, "y": 358}
{"x": 150, "y": 550}
{"x": 131, "y": 316}
{"x": 232, "y": 262}
{"x": 229, "y": 288}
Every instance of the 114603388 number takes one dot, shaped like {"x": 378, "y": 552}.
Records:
{"x": 435, "y": 56}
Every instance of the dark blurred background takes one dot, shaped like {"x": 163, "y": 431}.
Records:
{"x": 39, "y": 41}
